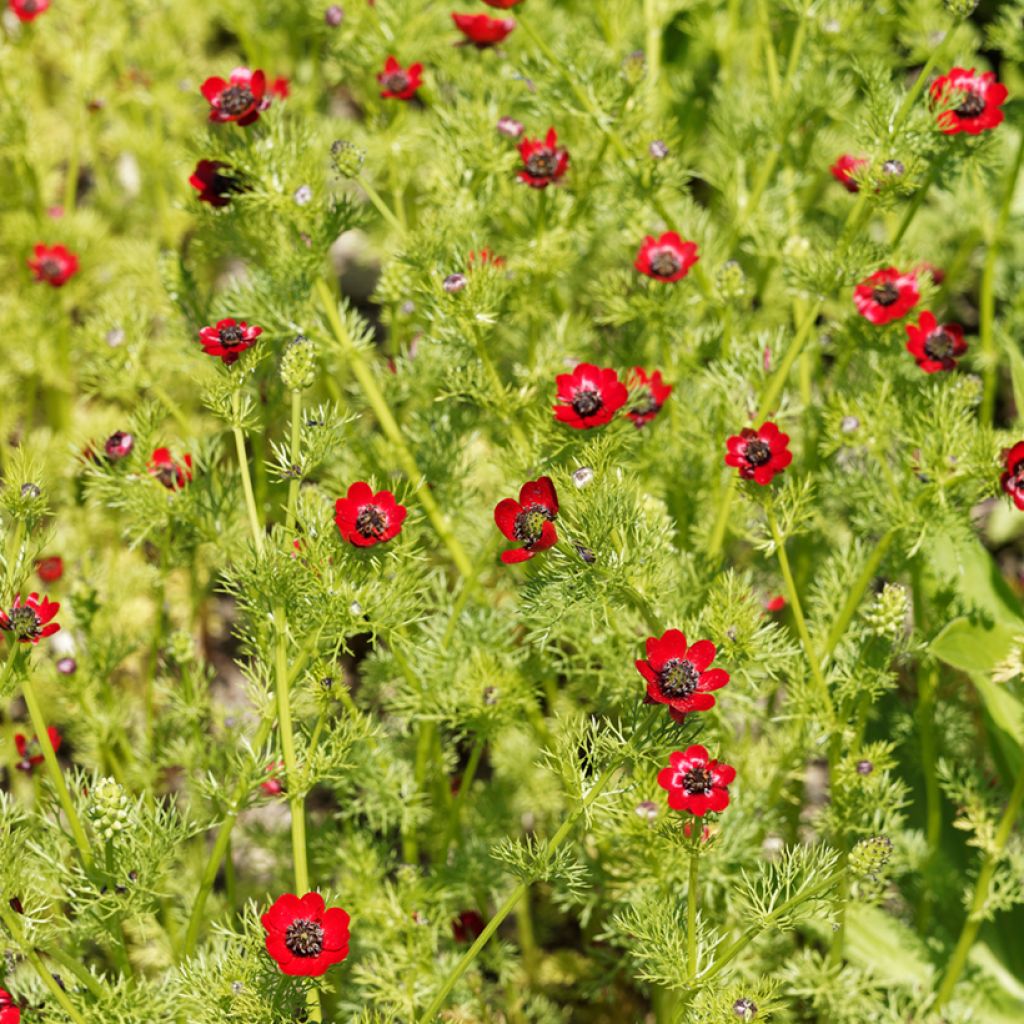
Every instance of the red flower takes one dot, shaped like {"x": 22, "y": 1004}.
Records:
{"x": 978, "y": 100}
{"x": 543, "y": 162}
{"x": 9, "y": 1013}
{"x": 485, "y": 258}
{"x": 469, "y": 924}
{"x": 31, "y": 620}
{"x": 400, "y": 83}
{"x": 303, "y": 937}
{"x": 482, "y": 30}
{"x": 590, "y": 396}
{"x": 30, "y": 752}
{"x": 844, "y": 169}
{"x": 25, "y": 10}
{"x": 695, "y": 783}
{"x": 365, "y": 518}
{"x": 935, "y": 346}
{"x": 503, "y": 5}
{"x": 678, "y": 675}
{"x": 273, "y": 786}
{"x": 667, "y": 259}
{"x": 214, "y": 187}
{"x": 1012, "y": 480}
{"x": 759, "y": 454}
{"x": 53, "y": 264}
{"x": 119, "y": 445}
{"x": 649, "y": 395}
{"x": 49, "y": 570}
{"x": 173, "y": 475}
{"x": 239, "y": 99}
{"x": 530, "y": 520}
{"x": 775, "y": 604}
{"x": 280, "y": 88}
{"x": 886, "y": 295}
{"x": 229, "y": 339}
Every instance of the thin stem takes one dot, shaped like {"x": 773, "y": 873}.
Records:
{"x": 691, "y": 914}
{"x": 293, "y": 483}
{"x": 171, "y": 406}
{"x": 386, "y": 419}
{"x": 971, "y": 926}
{"x": 990, "y": 359}
{"x": 798, "y": 616}
{"x": 465, "y": 784}
{"x": 243, "y": 466}
{"x": 382, "y": 208}
{"x": 511, "y": 424}
{"x": 53, "y": 769}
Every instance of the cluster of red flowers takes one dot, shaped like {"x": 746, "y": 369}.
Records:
{"x": 590, "y": 396}
{"x": 30, "y": 752}
{"x": 174, "y": 475}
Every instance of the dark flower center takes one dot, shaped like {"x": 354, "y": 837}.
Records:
{"x": 543, "y": 163}
{"x": 970, "y": 106}
{"x": 396, "y": 81}
{"x": 529, "y": 524}
{"x": 1015, "y": 481}
{"x": 757, "y": 452}
{"x": 586, "y": 402}
{"x": 885, "y": 294}
{"x": 50, "y": 267}
{"x": 237, "y": 99}
{"x": 167, "y": 475}
{"x": 678, "y": 678}
{"x": 231, "y": 336}
{"x": 371, "y": 521}
{"x": 304, "y": 938}
{"x": 29, "y": 7}
{"x": 698, "y": 780}
{"x": 25, "y": 624}
{"x": 665, "y": 263}
{"x": 645, "y": 404}
{"x": 939, "y": 346}
{"x": 222, "y": 184}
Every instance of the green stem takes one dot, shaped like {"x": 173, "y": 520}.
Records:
{"x": 386, "y": 419}
{"x": 293, "y": 483}
{"x": 691, "y": 913}
{"x": 987, "y": 345}
{"x": 511, "y": 423}
{"x": 382, "y": 208}
{"x": 53, "y": 769}
{"x": 243, "y": 466}
{"x": 171, "y": 406}
{"x": 465, "y": 784}
{"x": 981, "y": 890}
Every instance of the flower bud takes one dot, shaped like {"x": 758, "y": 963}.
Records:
{"x": 334, "y": 16}
{"x": 648, "y": 810}
{"x": 849, "y": 425}
{"x": 455, "y": 283}
{"x": 582, "y": 476}
{"x": 67, "y": 666}
{"x": 302, "y": 196}
{"x": 348, "y": 158}
{"x": 870, "y": 856}
{"x": 887, "y": 614}
{"x": 510, "y": 127}
{"x": 298, "y": 364}
{"x": 658, "y": 150}
{"x": 745, "y": 1009}
{"x": 118, "y": 445}
{"x": 30, "y": 491}
{"x": 731, "y": 281}
{"x": 961, "y": 8}
{"x": 634, "y": 66}
{"x": 110, "y": 808}
{"x": 865, "y": 767}
{"x": 894, "y": 168}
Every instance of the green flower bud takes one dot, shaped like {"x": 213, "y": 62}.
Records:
{"x": 731, "y": 282}
{"x": 110, "y": 809}
{"x": 348, "y": 158}
{"x": 888, "y": 612}
{"x": 181, "y": 648}
{"x": 298, "y": 364}
{"x": 870, "y": 856}
{"x": 961, "y": 8}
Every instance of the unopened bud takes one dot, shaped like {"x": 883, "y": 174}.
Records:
{"x": 510, "y": 127}
{"x": 30, "y": 491}
{"x": 348, "y": 158}
{"x": 110, "y": 808}
{"x": 731, "y": 281}
{"x": 870, "y": 856}
{"x": 67, "y": 666}
{"x": 454, "y": 283}
{"x": 849, "y": 425}
{"x": 298, "y": 364}
{"x": 334, "y": 16}
{"x": 582, "y": 476}
{"x": 647, "y": 810}
{"x": 118, "y": 445}
{"x": 303, "y": 195}
{"x": 658, "y": 150}
{"x": 894, "y": 168}
{"x": 888, "y": 612}
{"x": 745, "y": 1009}
{"x": 865, "y": 767}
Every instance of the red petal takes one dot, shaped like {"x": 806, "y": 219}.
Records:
{"x": 212, "y": 88}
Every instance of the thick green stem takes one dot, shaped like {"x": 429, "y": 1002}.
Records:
{"x": 975, "y": 915}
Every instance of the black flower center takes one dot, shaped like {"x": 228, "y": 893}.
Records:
{"x": 237, "y": 99}
{"x": 396, "y": 81}
{"x": 29, "y": 7}
{"x": 231, "y": 336}
{"x": 304, "y": 938}
{"x": 529, "y": 524}
{"x": 543, "y": 163}
{"x": 678, "y": 678}
{"x": 167, "y": 475}
{"x": 645, "y": 405}
{"x": 586, "y": 402}
{"x": 757, "y": 452}
{"x": 222, "y": 184}
{"x": 698, "y": 779}
{"x": 665, "y": 263}
{"x": 885, "y": 294}
{"x": 25, "y": 624}
{"x": 371, "y": 521}
{"x": 50, "y": 267}
{"x": 939, "y": 346}
{"x": 970, "y": 106}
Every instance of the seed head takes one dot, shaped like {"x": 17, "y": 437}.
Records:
{"x": 298, "y": 364}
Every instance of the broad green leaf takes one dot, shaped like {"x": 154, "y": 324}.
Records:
{"x": 886, "y": 947}
{"x": 977, "y": 578}
{"x": 976, "y": 647}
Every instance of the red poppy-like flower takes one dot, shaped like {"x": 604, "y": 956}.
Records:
{"x": 9, "y": 1013}
{"x": 213, "y": 185}
{"x": 696, "y": 783}
{"x": 589, "y": 396}
{"x": 119, "y": 445}
{"x": 543, "y": 161}
{"x": 886, "y": 295}
{"x": 503, "y": 5}
{"x": 648, "y": 395}
{"x": 49, "y": 570}
{"x": 365, "y": 518}
{"x": 303, "y": 937}
{"x": 844, "y": 169}
{"x": 26, "y": 10}
{"x": 469, "y": 924}
{"x": 482, "y": 30}
{"x": 935, "y": 346}
{"x": 1012, "y": 480}
{"x": 400, "y": 83}
{"x": 240, "y": 99}
{"x": 485, "y": 258}
{"x": 759, "y": 454}
{"x": 53, "y": 264}
{"x": 678, "y": 675}
{"x": 530, "y": 520}
{"x": 30, "y": 753}
{"x": 978, "y": 100}
{"x": 775, "y": 604}
{"x": 273, "y": 786}
{"x": 30, "y": 620}
{"x": 229, "y": 339}
{"x": 667, "y": 258}
{"x": 280, "y": 87}
{"x": 172, "y": 474}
